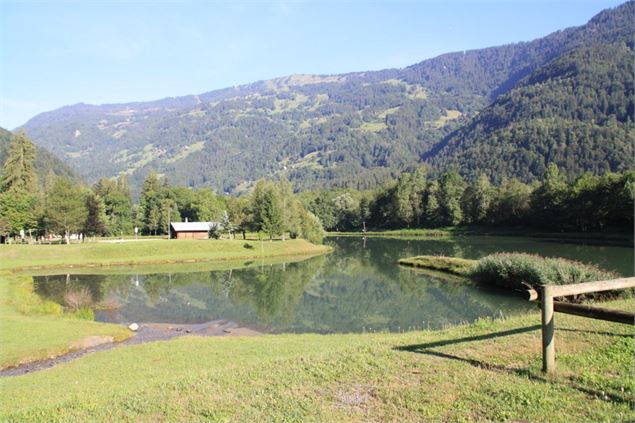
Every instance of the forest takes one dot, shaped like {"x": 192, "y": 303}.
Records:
{"x": 418, "y": 199}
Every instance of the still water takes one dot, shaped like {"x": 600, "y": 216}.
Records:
{"x": 357, "y": 288}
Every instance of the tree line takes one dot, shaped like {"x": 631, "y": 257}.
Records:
{"x": 64, "y": 206}
{"x": 415, "y": 200}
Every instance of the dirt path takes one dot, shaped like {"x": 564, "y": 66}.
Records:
{"x": 147, "y": 332}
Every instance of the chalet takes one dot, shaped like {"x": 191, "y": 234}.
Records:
{"x": 190, "y": 230}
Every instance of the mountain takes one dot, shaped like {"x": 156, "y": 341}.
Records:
{"x": 501, "y": 109}
{"x": 576, "y": 111}
{"x": 45, "y": 162}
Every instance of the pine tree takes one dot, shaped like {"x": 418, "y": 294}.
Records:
{"x": 95, "y": 217}
{"x": 18, "y": 175}
{"x": 150, "y": 204}
{"x": 19, "y": 199}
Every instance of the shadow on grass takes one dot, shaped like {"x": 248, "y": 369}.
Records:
{"x": 524, "y": 372}
{"x": 421, "y": 348}
{"x": 595, "y": 332}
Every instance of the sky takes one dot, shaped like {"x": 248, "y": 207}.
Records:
{"x": 56, "y": 53}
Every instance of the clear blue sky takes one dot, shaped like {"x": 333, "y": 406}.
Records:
{"x": 55, "y": 53}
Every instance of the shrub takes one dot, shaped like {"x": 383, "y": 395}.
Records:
{"x": 521, "y": 271}
{"x": 84, "y": 313}
{"x": 80, "y": 298}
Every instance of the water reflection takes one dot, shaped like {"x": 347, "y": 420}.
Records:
{"x": 356, "y": 288}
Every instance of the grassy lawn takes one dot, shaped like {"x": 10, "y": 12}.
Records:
{"x": 148, "y": 252}
{"x": 32, "y": 329}
{"x": 489, "y": 370}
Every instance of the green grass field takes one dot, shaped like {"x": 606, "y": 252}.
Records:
{"x": 148, "y": 252}
{"x": 489, "y": 370}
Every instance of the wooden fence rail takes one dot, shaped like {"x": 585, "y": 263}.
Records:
{"x": 549, "y": 306}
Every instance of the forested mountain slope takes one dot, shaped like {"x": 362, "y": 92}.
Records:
{"x": 45, "y": 162}
{"x": 359, "y": 130}
{"x": 577, "y": 111}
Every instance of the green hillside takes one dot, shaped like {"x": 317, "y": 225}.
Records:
{"x": 502, "y": 109}
{"x": 577, "y": 112}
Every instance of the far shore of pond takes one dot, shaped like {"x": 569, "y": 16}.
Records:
{"x": 600, "y": 238}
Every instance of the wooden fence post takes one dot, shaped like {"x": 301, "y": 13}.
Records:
{"x": 548, "y": 341}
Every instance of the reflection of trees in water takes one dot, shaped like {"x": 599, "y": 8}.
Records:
{"x": 355, "y": 287}
{"x": 72, "y": 291}
{"x": 274, "y": 291}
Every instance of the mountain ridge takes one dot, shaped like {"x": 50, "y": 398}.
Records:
{"x": 357, "y": 130}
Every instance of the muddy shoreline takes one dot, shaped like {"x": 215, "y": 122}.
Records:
{"x": 147, "y": 332}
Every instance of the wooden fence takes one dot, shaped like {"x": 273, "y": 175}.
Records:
{"x": 549, "y": 306}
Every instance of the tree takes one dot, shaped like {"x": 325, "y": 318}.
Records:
{"x": 549, "y": 199}
{"x": 310, "y": 227}
{"x": 67, "y": 207}
{"x": 18, "y": 211}
{"x": 511, "y": 205}
{"x": 18, "y": 175}
{"x": 345, "y": 207}
{"x": 207, "y": 206}
{"x": 288, "y": 207}
{"x": 238, "y": 211}
{"x": 477, "y": 200}
{"x": 267, "y": 209}
{"x": 227, "y": 226}
{"x": 408, "y": 198}
{"x": 451, "y": 187}
{"x": 95, "y": 216}
{"x": 432, "y": 210}
{"x": 117, "y": 205}
{"x": 150, "y": 204}
{"x": 18, "y": 186}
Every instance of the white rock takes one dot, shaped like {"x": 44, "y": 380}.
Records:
{"x": 133, "y": 327}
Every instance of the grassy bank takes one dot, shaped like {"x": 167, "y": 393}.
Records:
{"x": 148, "y": 252}
{"x": 489, "y": 370}
{"x": 452, "y": 265}
{"x": 604, "y": 238}
{"x": 32, "y": 329}
{"x": 403, "y": 233}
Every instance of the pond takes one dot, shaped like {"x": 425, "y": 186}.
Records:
{"x": 357, "y": 288}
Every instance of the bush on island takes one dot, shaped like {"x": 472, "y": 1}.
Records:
{"x": 523, "y": 271}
